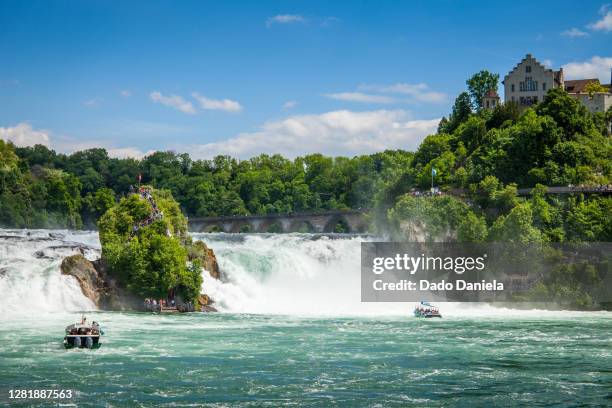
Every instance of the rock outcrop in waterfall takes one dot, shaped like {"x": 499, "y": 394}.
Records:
{"x": 146, "y": 254}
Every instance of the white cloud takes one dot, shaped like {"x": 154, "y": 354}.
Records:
{"x": 23, "y": 135}
{"x": 359, "y": 97}
{"x": 125, "y": 93}
{"x": 547, "y": 63}
{"x": 333, "y": 133}
{"x": 418, "y": 92}
{"x": 217, "y": 104}
{"x": 605, "y": 23}
{"x": 173, "y": 101}
{"x": 285, "y": 19}
{"x": 68, "y": 145}
{"x": 125, "y": 152}
{"x": 575, "y": 33}
{"x": 290, "y": 104}
{"x": 596, "y": 67}
{"x": 93, "y": 103}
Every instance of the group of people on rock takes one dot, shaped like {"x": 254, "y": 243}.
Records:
{"x": 417, "y": 193}
{"x": 156, "y": 213}
{"x": 154, "y": 304}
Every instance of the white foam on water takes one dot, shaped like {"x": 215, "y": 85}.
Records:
{"x": 296, "y": 274}
{"x": 287, "y": 274}
{"x": 30, "y": 277}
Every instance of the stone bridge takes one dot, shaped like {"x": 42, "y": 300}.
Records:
{"x": 330, "y": 221}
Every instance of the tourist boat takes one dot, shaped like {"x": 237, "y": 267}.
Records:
{"x": 427, "y": 310}
{"x": 83, "y": 335}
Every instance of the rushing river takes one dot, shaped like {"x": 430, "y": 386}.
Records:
{"x": 291, "y": 331}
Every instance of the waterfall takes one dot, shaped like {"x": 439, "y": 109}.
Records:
{"x": 30, "y": 275}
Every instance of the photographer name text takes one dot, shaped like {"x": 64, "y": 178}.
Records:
{"x": 424, "y": 284}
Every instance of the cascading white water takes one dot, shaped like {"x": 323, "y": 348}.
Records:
{"x": 290, "y": 274}
{"x": 30, "y": 276}
{"x": 295, "y": 274}
{"x": 305, "y": 274}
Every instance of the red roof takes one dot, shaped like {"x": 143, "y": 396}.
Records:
{"x": 491, "y": 94}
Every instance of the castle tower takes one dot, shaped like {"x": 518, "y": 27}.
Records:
{"x": 490, "y": 100}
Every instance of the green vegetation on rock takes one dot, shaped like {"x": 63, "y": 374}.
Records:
{"x": 151, "y": 261}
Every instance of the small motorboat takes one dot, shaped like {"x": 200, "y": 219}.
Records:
{"x": 427, "y": 310}
{"x": 83, "y": 335}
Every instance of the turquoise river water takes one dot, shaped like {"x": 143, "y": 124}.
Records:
{"x": 291, "y": 331}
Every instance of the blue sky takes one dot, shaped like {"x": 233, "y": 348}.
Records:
{"x": 242, "y": 78}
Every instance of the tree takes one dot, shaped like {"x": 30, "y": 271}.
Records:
{"x": 481, "y": 83}
{"x": 508, "y": 112}
{"x": 569, "y": 114}
{"x": 590, "y": 221}
{"x": 594, "y": 87}
{"x": 429, "y": 218}
{"x": 462, "y": 109}
{"x": 517, "y": 226}
{"x": 432, "y": 147}
{"x": 472, "y": 229}
{"x": 443, "y": 125}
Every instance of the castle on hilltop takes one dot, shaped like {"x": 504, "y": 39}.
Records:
{"x": 529, "y": 81}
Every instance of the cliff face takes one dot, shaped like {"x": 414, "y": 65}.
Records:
{"x": 92, "y": 284}
{"x": 97, "y": 285}
{"x": 201, "y": 252}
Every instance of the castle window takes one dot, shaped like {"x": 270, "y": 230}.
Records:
{"x": 543, "y": 86}
{"x": 528, "y": 100}
{"x": 528, "y": 68}
{"x": 512, "y": 87}
{"x": 528, "y": 85}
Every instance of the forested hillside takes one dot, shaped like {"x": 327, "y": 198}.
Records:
{"x": 41, "y": 188}
{"x": 481, "y": 156}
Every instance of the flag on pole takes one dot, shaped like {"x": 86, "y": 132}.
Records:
{"x": 433, "y": 172}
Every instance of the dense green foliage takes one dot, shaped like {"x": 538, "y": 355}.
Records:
{"x": 488, "y": 156}
{"x": 482, "y": 157}
{"x": 222, "y": 186}
{"x": 39, "y": 196}
{"x": 152, "y": 261}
